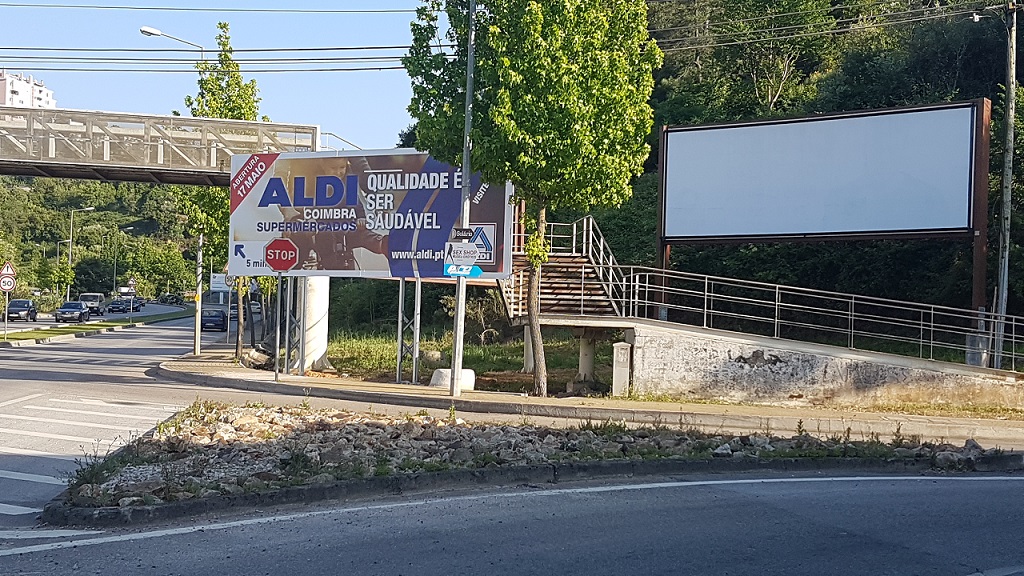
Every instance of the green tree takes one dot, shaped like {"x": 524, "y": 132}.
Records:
{"x": 561, "y": 106}
{"x": 61, "y": 276}
{"x": 223, "y": 93}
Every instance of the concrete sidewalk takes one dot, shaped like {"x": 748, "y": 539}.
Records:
{"x": 216, "y": 368}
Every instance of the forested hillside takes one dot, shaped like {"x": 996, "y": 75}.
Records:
{"x": 725, "y": 60}
{"x": 138, "y": 224}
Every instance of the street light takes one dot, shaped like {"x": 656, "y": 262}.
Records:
{"x": 116, "y": 237}
{"x": 150, "y": 31}
{"x": 71, "y": 240}
{"x": 196, "y": 343}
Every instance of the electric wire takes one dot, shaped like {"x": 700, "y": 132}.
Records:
{"x": 214, "y": 9}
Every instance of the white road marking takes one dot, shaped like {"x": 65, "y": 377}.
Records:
{"x": 55, "y": 436}
{"x": 1011, "y": 571}
{"x": 12, "y": 510}
{"x": 40, "y": 534}
{"x": 67, "y": 422}
{"x": 139, "y": 405}
{"x": 478, "y": 497}
{"x": 37, "y": 453}
{"x": 11, "y": 475}
{"x": 22, "y": 399}
{"x": 90, "y": 413}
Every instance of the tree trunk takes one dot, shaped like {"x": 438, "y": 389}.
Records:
{"x": 540, "y": 367}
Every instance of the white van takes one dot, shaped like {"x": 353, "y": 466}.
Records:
{"x": 93, "y": 301}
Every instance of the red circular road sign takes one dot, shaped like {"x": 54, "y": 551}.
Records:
{"x": 281, "y": 254}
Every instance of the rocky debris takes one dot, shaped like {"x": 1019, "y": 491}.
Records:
{"x": 220, "y": 450}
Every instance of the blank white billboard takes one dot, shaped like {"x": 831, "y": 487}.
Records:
{"x": 888, "y": 173}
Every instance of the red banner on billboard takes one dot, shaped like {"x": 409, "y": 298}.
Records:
{"x": 248, "y": 176}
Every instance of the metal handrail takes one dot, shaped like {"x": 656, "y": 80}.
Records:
{"x": 775, "y": 310}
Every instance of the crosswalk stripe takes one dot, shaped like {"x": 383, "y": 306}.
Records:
{"x": 55, "y": 436}
{"x": 134, "y": 405}
{"x": 89, "y": 413}
{"x": 17, "y": 400}
{"x": 36, "y": 453}
{"x": 10, "y": 475}
{"x": 65, "y": 422}
{"x": 12, "y": 510}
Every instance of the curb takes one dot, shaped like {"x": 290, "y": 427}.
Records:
{"x": 59, "y": 512}
{"x": 84, "y": 334}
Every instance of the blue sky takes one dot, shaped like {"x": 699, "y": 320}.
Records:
{"x": 367, "y": 108}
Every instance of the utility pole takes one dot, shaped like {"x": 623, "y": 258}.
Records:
{"x": 1004, "y": 216}
{"x": 459, "y": 336}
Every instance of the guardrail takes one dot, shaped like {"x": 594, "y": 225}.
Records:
{"x": 774, "y": 310}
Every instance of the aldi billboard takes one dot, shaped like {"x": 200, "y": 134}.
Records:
{"x": 370, "y": 214}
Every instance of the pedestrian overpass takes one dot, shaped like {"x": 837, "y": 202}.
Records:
{"x": 58, "y": 143}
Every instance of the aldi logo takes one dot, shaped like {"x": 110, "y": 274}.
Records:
{"x": 483, "y": 237}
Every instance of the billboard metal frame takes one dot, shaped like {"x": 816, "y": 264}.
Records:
{"x": 977, "y": 229}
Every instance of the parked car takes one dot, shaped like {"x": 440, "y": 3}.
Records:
{"x": 22, "y": 310}
{"x": 214, "y": 320}
{"x": 233, "y": 312}
{"x": 72, "y": 311}
{"x": 256, "y": 308}
{"x": 118, "y": 305}
{"x": 94, "y": 301}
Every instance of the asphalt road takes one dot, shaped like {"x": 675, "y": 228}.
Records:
{"x": 66, "y": 402}
{"x": 948, "y": 526}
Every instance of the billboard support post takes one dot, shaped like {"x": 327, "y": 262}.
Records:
{"x": 277, "y": 333}
{"x": 401, "y": 331}
{"x": 288, "y": 326}
{"x": 197, "y": 342}
{"x": 302, "y": 326}
{"x": 980, "y": 209}
{"x": 467, "y": 179}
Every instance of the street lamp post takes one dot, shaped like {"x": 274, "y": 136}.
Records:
{"x": 117, "y": 236}
{"x": 59, "y": 242}
{"x": 71, "y": 240}
{"x": 196, "y": 345}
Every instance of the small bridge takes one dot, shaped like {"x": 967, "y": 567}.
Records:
{"x": 117, "y": 146}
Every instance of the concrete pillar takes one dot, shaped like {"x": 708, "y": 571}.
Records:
{"x": 621, "y": 368}
{"x": 315, "y": 313}
{"x": 527, "y": 351}
{"x": 586, "y": 371}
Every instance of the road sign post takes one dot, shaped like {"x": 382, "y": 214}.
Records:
{"x": 7, "y": 285}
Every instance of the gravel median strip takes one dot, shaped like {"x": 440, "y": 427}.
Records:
{"x": 212, "y": 456}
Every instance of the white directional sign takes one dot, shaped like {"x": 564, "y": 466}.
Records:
{"x": 7, "y": 283}
{"x": 8, "y": 270}
{"x": 461, "y": 253}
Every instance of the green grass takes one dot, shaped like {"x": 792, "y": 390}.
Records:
{"x": 373, "y": 356}
{"x": 78, "y": 328}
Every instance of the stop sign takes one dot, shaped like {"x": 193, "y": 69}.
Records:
{"x": 281, "y": 254}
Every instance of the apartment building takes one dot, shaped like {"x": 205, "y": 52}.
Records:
{"x": 24, "y": 91}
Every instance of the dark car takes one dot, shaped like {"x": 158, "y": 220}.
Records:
{"x": 233, "y": 312}
{"x": 72, "y": 311}
{"x": 22, "y": 310}
{"x": 214, "y": 320}
{"x": 136, "y": 304}
{"x": 117, "y": 306}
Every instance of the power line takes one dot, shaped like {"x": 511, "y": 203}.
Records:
{"x": 808, "y": 25}
{"x": 196, "y": 51}
{"x": 213, "y": 9}
{"x": 193, "y": 71}
{"x": 820, "y": 33}
{"x": 114, "y": 60}
{"x": 766, "y": 17}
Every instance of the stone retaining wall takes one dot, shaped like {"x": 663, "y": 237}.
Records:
{"x": 704, "y": 364}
